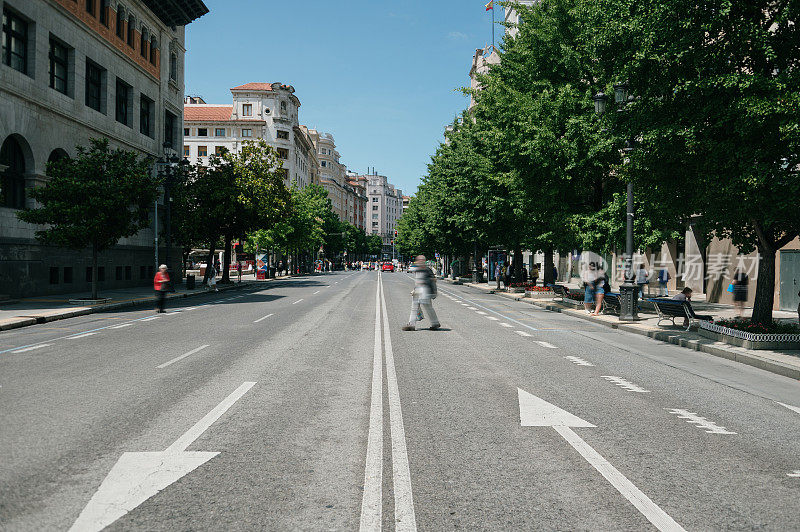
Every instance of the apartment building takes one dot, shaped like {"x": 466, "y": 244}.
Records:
{"x": 267, "y": 111}
{"x": 384, "y": 205}
{"x": 73, "y": 70}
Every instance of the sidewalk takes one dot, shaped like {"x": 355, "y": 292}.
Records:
{"x": 784, "y": 362}
{"x": 30, "y": 311}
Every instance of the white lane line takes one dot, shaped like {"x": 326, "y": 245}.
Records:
{"x": 201, "y": 426}
{"x": 498, "y": 314}
{"x": 404, "y": 516}
{"x": 622, "y": 383}
{"x": 506, "y": 325}
{"x": 522, "y": 333}
{"x": 492, "y": 318}
{"x": 190, "y": 308}
{"x": 122, "y": 326}
{"x": 794, "y": 474}
{"x": 265, "y": 317}
{"x": 547, "y": 345}
{"x": 790, "y": 407}
{"x": 372, "y": 498}
{"x": 84, "y": 335}
{"x": 464, "y": 305}
{"x": 480, "y": 312}
{"x": 151, "y": 318}
{"x": 660, "y": 519}
{"x": 33, "y": 348}
{"x": 699, "y": 421}
{"x": 177, "y": 359}
{"x": 579, "y": 361}
{"x": 315, "y": 293}
{"x": 296, "y": 302}
{"x": 472, "y": 308}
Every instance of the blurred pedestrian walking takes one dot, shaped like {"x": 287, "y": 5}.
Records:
{"x": 161, "y": 286}
{"x": 663, "y": 279}
{"x": 642, "y": 279}
{"x": 740, "y": 289}
{"x": 212, "y": 278}
{"x": 423, "y": 295}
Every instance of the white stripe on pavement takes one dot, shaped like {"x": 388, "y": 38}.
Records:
{"x": 84, "y": 335}
{"x": 25, "y": 350}
{"x": 177, "y": 359}
{"x": 522, "y": 333}
{"x": 405, "y": 519}
{"x": 265, "y": 317}
{"x": 492, "y": 318}
{"x": 658, "y": 517}
{"x": 296, "y": 302}
{"x": 122, "y": 326}
{"x": 496, "y": 313}
{"x": 790, "y": 407}
{"x": 151, "y": 318}
{"x": 372, "y": 498}
{"x": 315, "y": 293}
{"x": 548, "y": 346}
{"x": 508, "y": 325}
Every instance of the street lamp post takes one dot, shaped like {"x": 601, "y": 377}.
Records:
{"x": 628, "y": 291}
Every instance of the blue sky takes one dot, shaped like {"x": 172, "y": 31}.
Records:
{"x": 380, "y": 76}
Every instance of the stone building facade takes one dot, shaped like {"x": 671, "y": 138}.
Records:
{"x": 384, "y": 206}
{"x": 73, "y": 70}
{"x": 267, "y": 111}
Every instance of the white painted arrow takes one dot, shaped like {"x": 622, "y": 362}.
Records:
{"x": 138, "y": 476}
{"x": 536, "y": 412}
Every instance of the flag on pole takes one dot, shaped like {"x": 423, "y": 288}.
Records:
{"x": 490, "y": 6}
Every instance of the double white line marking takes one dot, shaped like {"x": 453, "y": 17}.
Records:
{"x": 372, "y": 500}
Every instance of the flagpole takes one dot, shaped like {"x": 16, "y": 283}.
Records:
{"x": 492, "y": 26}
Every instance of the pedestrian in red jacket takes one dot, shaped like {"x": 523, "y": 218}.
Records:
{"x": 161, "y": 286}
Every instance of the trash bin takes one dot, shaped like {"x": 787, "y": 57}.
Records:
{"x": 261, "y": 274}
{"x": 190, "y": 282}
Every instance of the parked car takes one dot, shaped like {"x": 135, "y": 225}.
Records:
{"x": 387, "y": 267}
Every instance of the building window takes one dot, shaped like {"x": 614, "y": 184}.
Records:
{"x": 247, "y": 109}
{"x": 374, "y": 216}
{"x": 104, "y": 12}
{"x": 283, "y": 107}
{"x": 173, "y": 66}
{"x": 186, "y": 132}
{"x": 247, "y": 132}
{"x": 146, "y": 116}
{"x": 54, "y": 275}
{"x": 185, "y": 150}
{"x": 219, "y": 132}
{"x": 374, "y": 224}
{"x": 202, "y": 151}
{"x": 324, "y": 164}
{"x": 68, "y": 275}
{"x": 374, "y": 207}
{"x": 283, "y": 153}
{"x": 101, "y": 273}
{"x": 153, "y": 48}
{"x": 15, "y": 42}
{"x": 218, "y": 150}
{"x": 170, "y": 130}
{"x": 120, "y": 22}
{"x": 202, "y": 132}
{"x": 374, "y": 200}
{"x": 90, "y": 7}
{"x": 94, "y": 86}
{"x": 118, "y": 272}
{"x": 59, "y": 66}
{"x": 283, "y": 135}
{"x": 131, "y": 26}
{"x": 143, "y": 44}
{"x": 142, "y": 272}
{"x": 122, "y": 99}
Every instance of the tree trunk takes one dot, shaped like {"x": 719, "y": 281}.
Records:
{"x": 226, "y": 268}
{"x": 94, "y": 272}
{"x": 517, "y": 265}
{"x": 765, "y": 286}
{"x": 547, "y": 274}
{"x": 209, "y": 262}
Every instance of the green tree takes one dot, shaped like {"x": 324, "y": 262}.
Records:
{"x": 94, "y": 200}
{"x": 716, "y": 116}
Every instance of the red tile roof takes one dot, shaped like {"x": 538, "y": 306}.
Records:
{"x": 253, "y": 87}
{"x": 207, "y": 113}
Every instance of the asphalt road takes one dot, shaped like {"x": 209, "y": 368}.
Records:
{"x": 303, "y": 406}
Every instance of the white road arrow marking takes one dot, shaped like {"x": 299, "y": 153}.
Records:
{"x": 536, "y": 412}
{"x": 790, "y": 407}
{"x": 138, "y": 476}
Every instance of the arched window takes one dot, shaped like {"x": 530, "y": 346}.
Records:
{"x": 12, "y": 184}
{"x": 56, "y": 155}
{"x": 153, "y": 48}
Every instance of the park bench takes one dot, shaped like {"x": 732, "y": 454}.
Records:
{"x": 561, "y": 291}
{"x": 669, "y": 309}
{"x": 611, "y": 304}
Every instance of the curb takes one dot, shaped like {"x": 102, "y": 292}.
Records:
{"x": 705, "y": 346}
{"x": 62, "y": 314}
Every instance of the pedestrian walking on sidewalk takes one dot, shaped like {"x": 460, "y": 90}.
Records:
{"x": 423, "y": 295}
{"x": 642, "y": 279}
{"x": 663, "y": 279}
{"x": 161, "y": 286}
{"x": 498, "y": 268}
{"x": 212, "y": 279}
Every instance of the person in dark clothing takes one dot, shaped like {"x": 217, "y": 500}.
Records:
{"x": 740, "y": 288}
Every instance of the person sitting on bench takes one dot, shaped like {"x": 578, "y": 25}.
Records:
{"x": 686, "y": 296}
